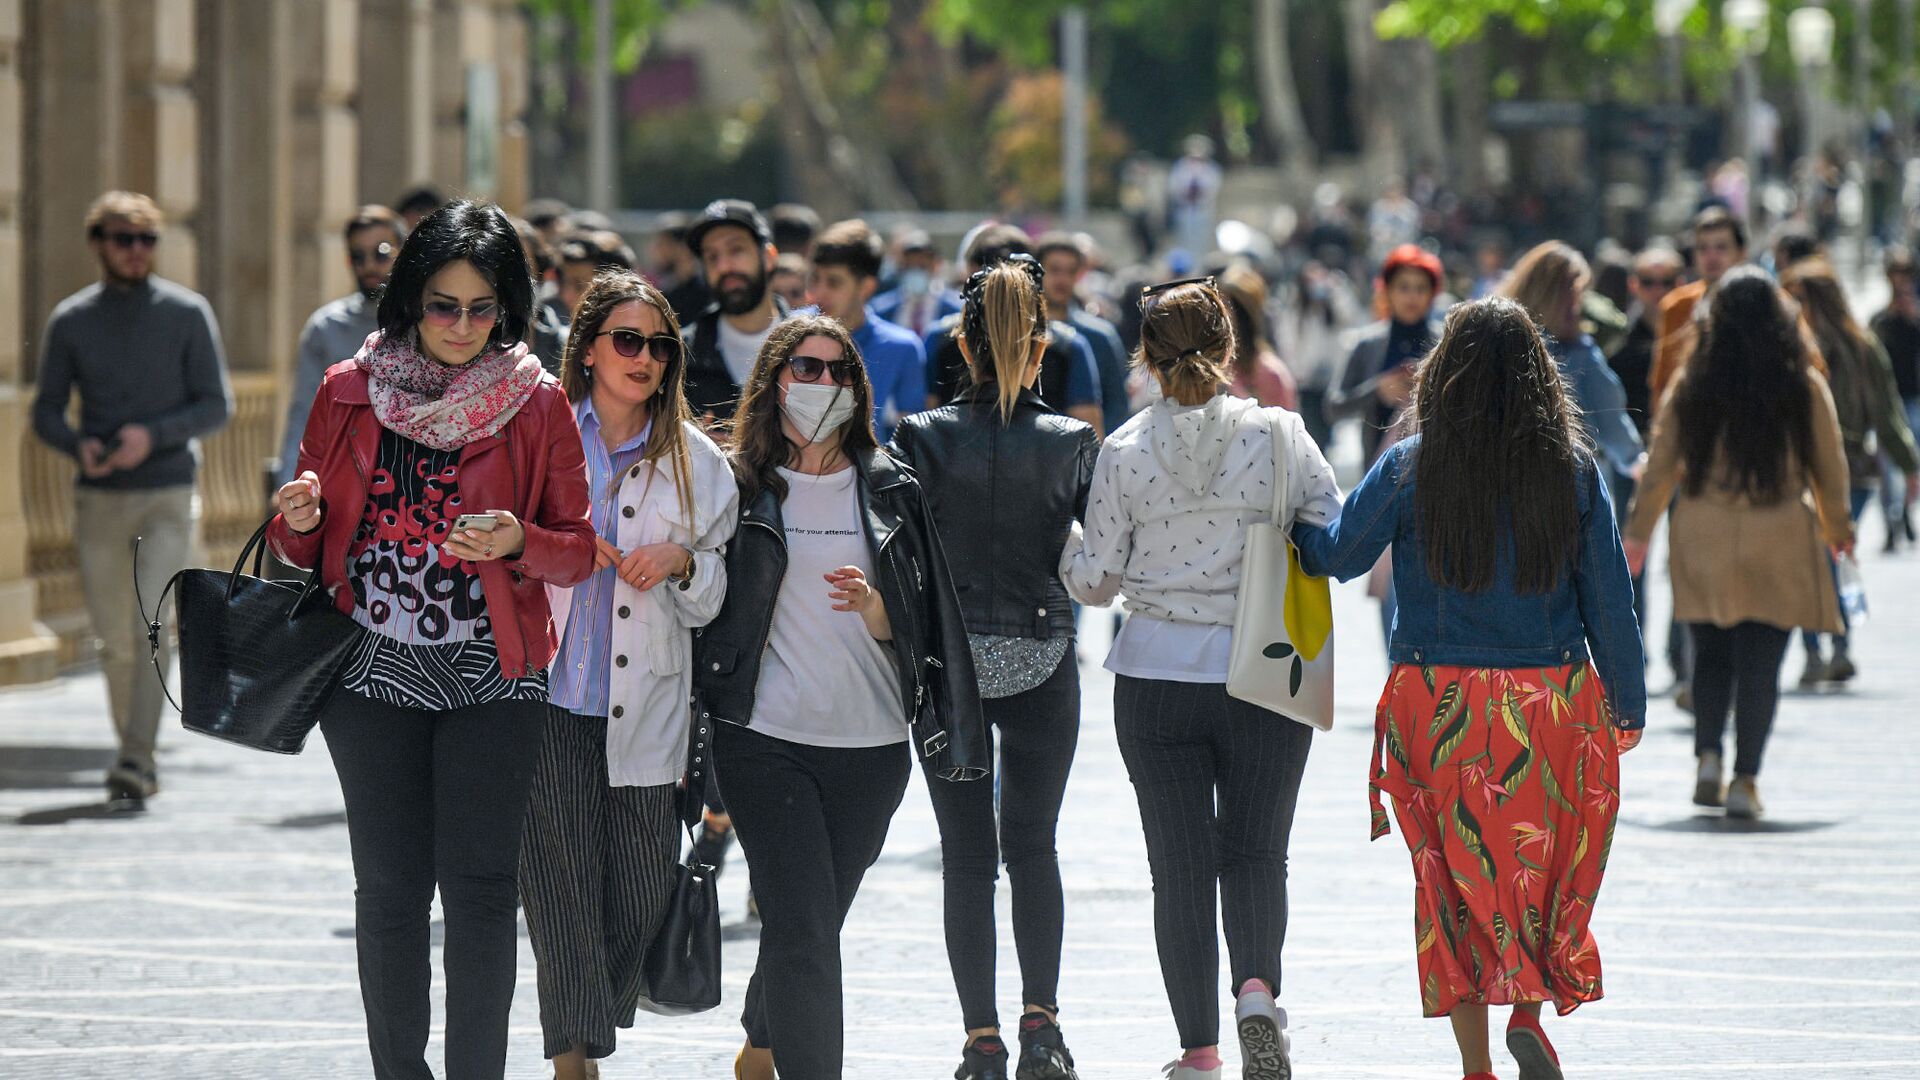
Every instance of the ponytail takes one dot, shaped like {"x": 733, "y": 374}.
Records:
{"x": 1005, "y": 314}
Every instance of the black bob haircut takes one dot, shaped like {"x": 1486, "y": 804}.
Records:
{"x": 480, "y": 233}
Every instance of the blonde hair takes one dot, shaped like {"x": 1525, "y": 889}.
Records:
{"x": 1186, "y": 338}
{"x": 128, "y": 206}
{"x": 1005, "y": 314}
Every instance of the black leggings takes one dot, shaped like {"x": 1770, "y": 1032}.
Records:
{"x": 1736, "y": 669}
{"x": 435, "y": 797}
{"x": 1217, "y": 779}
{"x": 1038, "y": 732}
{"x": 811, "y": 820}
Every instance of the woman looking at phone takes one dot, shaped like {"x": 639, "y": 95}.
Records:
{"x": 443, "y": 414}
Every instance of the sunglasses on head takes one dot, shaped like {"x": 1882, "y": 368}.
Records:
{"x": 132, "y": 239}
{"x": 379, "y": 255}
{"x": 447, "y": 313}
{"x": 809, "y": 369}
{"x": 1166, "y": 286}
{"x": 631, "y": 343}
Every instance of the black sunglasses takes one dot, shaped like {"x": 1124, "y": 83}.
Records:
{"x": 380, "y": 254}
{"x": 1656, "y": 282}
{"x": 131, "y": 239}
{"x": 809, "y": 369}
{"x": 1156, "y": 290}
{"x": 631, "y": 343}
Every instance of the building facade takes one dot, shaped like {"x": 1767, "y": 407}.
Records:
{"x": 258, "y": 126}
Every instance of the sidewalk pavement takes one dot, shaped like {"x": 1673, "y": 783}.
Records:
{"x": 211, "y": 936}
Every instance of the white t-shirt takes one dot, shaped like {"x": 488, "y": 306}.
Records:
{"x": 737, "y": 350}
{"x": 824, "y": 680}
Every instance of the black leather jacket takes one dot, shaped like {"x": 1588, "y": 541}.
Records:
{"x": 938, "y": 695}
{"x": 1004, "y": 497}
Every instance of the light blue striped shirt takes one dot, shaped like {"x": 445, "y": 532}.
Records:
{"x": 579, "y": 675}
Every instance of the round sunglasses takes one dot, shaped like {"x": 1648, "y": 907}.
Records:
{"x": 631, "y": 343}
{"x": 446, "y": 313}
{"x": 810, "y": 369}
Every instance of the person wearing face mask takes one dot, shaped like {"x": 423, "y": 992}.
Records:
{"x": 918, "y": 298}
{"x": 338, "y": 329}
{"x": 440, "y": 484}
{"x": 840, "y": 642}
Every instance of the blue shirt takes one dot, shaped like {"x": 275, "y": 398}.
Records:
{"x": 579, "y": 673}
{"x": 1602, "y": 401}
{"x": 1083, "y": 378}
{"x": 897, "y": 368}
{"x": 1588, "y": 614}
{"x": 1110, "y": 357}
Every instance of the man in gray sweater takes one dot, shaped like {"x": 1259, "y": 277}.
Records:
{"x": 144, "y": 355}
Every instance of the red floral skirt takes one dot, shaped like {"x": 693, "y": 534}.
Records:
{"x": 1506, "y": 783}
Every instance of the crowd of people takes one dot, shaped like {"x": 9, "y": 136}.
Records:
{"x": 882, "y": 493}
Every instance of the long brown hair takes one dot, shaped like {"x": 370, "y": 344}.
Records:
{"x": 668, "y": 439}
{"x": 1005, "y": 313}
{"x": 1500, "y": 450}
{"x": 1542, "y": 281}
{"x": 1744, "y": 400}
{"x": 1186, "y": 337}
{"x": 760, "y": 445}
{"x": 1246, "y": 294}
{"x": 1824, "y": 300}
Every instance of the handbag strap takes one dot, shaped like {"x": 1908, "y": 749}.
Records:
{"x": 1282, "y": 469}
{"x": 153, "y": 623}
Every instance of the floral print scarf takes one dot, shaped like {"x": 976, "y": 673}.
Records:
{"x": 440, "y": 405}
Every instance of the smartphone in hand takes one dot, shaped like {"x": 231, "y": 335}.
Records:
{"x": 476, "y": 522}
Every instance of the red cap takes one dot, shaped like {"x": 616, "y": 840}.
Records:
{"x": 1415, "y": 256}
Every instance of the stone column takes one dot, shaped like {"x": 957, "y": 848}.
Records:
{"x": 159, "y": 148}
{"x": 326, "y": 149}
{"x": 510, "y": 53}
{"x": 28, "y": 651}
{"x": 396, "y": 100}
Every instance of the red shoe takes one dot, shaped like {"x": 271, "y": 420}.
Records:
{"x": 1531, "y": 1049}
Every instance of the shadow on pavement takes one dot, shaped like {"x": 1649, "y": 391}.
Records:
{"x": 60, "y": 815}
{"x": 1718, "y": 823}
{"x": 30, "y": 768}
{"x": 310, "y": 821}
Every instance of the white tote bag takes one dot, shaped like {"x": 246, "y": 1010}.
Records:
{"x": 1283, "y": 622}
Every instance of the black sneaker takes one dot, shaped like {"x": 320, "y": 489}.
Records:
{"x": 1043, "y": 1053}
{"x": 129, "y": 786}
{"x": 985, "y": 1058}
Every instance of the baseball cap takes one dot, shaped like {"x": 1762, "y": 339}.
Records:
{"x": 728, "y": 212}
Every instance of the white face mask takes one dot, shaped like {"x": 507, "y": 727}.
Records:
{"x": 818, "y": 411}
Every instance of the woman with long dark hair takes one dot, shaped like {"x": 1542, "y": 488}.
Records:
{"x": 1741, "y": 439}
{"x": 440, "y": 485}
{"x": 598, "y": 862}
{"x": 840, "y": 641}
{"x": 1873, "y": 420}
{"x": 1174, "y": 493}
{"x": 1005, "y": 477}
{"x": 1516, "y": 678}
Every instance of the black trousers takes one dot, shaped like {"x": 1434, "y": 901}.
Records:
{"x": 1217, "y": 780}
{"x": 435, "y": 798}
{"x": 811, "y": 820}
{"x": 1737, "y": 670}
{"x": 597, "y": 867}
{"x": 1038, "y": 731}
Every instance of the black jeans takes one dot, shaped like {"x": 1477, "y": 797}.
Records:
{"x": 1038, "y": 730}
{"x": 1217, "y": 779}
{"x": 435, "y": 798}
{"x": 1736, "y": 669}
{"x": 811, "y": 820}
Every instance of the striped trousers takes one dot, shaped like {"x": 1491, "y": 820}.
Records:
{"x": 597, "y": 867}
{"x": 1217, "y": 780}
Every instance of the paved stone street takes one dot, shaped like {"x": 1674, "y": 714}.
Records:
{"x": 212, "y": 935}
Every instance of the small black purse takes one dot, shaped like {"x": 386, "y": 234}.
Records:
{"x": 258, "y": 658}
{"x": 681, "y": 972}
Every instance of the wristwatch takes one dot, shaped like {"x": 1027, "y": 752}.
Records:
{"x": 685, "y": 582}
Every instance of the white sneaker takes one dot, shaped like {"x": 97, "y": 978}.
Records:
{"x": 1743, "y": 798}
{"x": 1263, "y": 1035}
{"x": 1709, "y": 786}
{"x": 1175, "y": 1070}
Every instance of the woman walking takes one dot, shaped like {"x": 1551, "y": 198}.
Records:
{"x": 598, "y": 861}
{"x": 1173, "y": 494}
{"x": 1873, "y": 421}
{"x": 1005, "y": 478}
{"x": 1742, "y": 437}
{"x": 839, "y": 641}
{"x": 440, "y": 483}
{"x": 1498, "y": 734}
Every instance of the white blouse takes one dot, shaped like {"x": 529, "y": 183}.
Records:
{"x": 1173, "y": 494}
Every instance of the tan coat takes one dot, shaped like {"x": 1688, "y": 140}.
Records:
{"x": 1734, "y": 561}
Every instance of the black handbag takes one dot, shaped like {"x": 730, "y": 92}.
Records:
{"x": 258, "y": 658}
{"x": 681, "y": 972}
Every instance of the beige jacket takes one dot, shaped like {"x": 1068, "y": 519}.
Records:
{"x": 1735, "y": 561}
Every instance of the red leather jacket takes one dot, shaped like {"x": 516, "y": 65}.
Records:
{"x": 534, "y": 467}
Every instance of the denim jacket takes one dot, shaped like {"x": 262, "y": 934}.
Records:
{"x": 1500, "y": 627}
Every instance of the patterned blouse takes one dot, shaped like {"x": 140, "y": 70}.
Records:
{"x": 430, "y": 642}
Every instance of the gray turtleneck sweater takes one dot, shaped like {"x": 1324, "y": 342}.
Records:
{"x": 143, "y": 354}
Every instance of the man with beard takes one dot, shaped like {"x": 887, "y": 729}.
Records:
{"x": 736, "y": 252}
{"x": 144, "y": 355}
{"x": 337, "y": 330}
